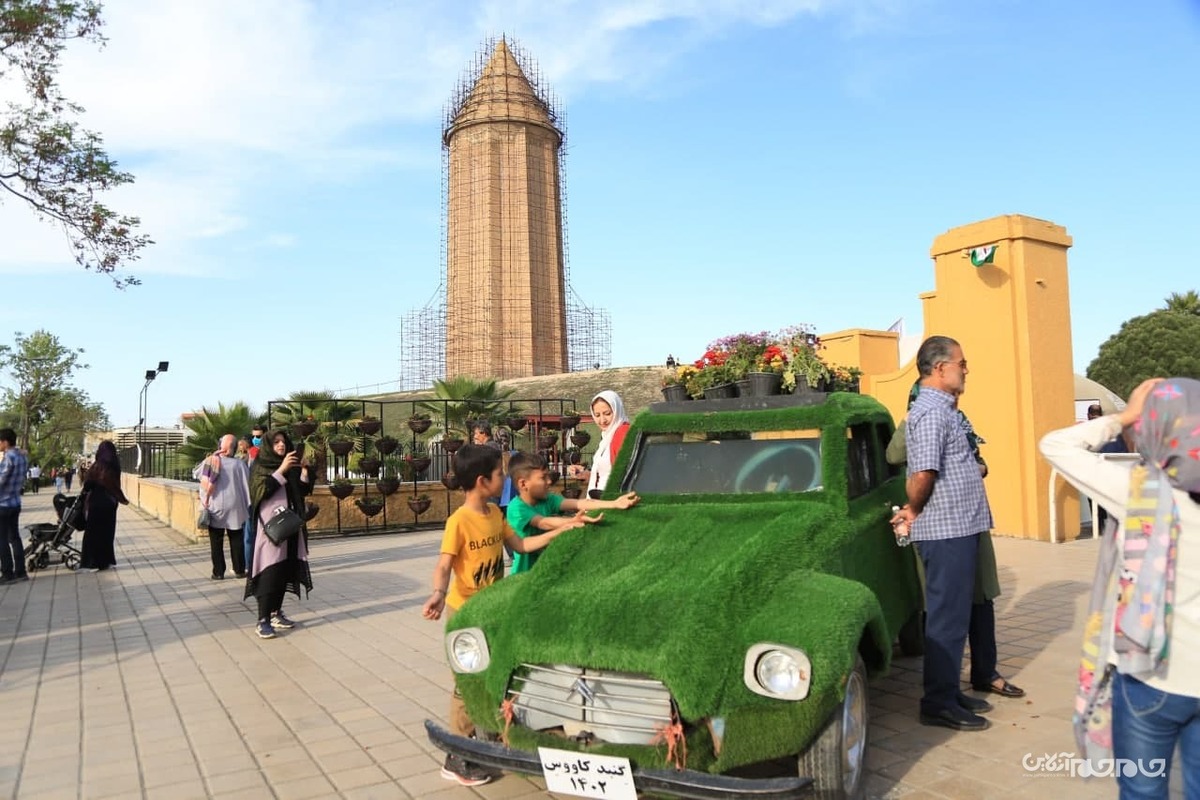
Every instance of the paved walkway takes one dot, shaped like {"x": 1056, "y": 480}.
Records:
{"x": 148, "y": 681}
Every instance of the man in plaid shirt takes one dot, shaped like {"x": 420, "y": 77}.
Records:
{"x": 13, "y": 468}
{"x": 947, "y": 510}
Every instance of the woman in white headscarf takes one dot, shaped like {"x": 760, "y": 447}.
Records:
{"x": 609, "y": 414}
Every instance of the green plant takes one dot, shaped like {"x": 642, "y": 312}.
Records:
{"x": 679, "y": 376}
{"x": 461, "y": 399}
{"x": 845, "y": 379}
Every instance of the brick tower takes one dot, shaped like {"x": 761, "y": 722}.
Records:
{"x": 506, "y": 310}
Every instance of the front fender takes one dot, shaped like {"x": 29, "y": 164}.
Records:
{"x": 832, "y": 620}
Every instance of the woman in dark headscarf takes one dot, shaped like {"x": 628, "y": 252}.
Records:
{"x": 102, "y": 485}
{"x": 278, "y": 479}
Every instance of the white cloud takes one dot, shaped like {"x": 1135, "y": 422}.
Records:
{"x": 208, "y": 97}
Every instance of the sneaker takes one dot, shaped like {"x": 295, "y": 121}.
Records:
{"x": 278, "y": 620}
{"x": 464, "y": 772}
{"x": 264, "y": 630}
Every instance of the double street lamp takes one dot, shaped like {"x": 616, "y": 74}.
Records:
{"x": 144, "y": 402}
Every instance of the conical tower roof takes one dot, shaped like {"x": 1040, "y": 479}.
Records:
{"x": 502, "y": 94}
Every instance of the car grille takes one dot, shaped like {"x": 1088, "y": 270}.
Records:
{"x": 616, "y": 707}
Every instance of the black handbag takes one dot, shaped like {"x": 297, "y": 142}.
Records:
{"x": 283, "y": 525}
{"x": 203, "y": 518}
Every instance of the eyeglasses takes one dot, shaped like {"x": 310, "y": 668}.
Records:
{"x": 961, "y": 364}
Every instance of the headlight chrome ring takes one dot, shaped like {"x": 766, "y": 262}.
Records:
{"x": 777, "y": 670}
{"x": 467, "y": 650}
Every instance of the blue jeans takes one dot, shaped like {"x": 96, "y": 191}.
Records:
{"x": 248, "y": 539}
{"x": 1147, "y": 724}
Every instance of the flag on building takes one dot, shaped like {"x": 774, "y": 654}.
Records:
{"x": 897, "y": 327}
{"x": 983, "y": 255}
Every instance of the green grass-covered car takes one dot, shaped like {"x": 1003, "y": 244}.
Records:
{"x": 726, "y": 623}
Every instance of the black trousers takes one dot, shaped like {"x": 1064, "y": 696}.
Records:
{"x": 237, "y": 550}
{"x": 982, "y": 638}
{"x": 270, "y": 589}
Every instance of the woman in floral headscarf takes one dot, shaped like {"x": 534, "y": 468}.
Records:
{"x": 1139, "y": 692}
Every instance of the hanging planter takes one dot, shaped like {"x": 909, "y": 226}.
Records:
{"x": 419, "y": 504}
{"x": 310, "y": 511}
{"x": 386, "y": 445}
{"x": 419, "y": 423}
{"x": 516, "y": 423}
{"x": 572, "y": 492}
{"x": 388, "y": 486}
{"x": 580, "y": 438}
{"x": 546, "y": 441}
{"x": 341, "y": 488}
{"x": 553, "y": 475}
{"x": 420, "y": 464}
{"x": 449, "y": 481}
{"x": 370, "y": 506}
{"x": 340, "y": 445}
{"x": 304, "y": 428}
{"x": 568, "y": 421}
{"x": 451, "y": 443}
{"x": 369, "y": 466}
{"x": 369, "y": 426}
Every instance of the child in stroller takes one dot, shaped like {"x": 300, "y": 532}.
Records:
{"x": 48, "y": 537}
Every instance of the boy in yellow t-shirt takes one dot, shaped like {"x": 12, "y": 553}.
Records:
{"x": 472, "y": 557}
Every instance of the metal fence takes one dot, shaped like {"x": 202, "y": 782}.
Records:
{"x": 155, "y": 460}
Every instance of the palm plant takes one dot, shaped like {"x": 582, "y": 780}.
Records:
{"x": 1186, "y": 302}
{"x": 209, "y": 425}
{"x": 459, "y": 400}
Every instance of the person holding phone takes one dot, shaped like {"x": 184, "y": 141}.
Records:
{"x": 280, "y": 479}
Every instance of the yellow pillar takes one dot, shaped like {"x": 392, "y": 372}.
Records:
{"x": 1012, "y": 317}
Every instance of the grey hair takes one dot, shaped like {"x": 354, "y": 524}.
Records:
{"x": 934, "y": 351}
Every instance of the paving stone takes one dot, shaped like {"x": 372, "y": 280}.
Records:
{"x": 148, "y": 681}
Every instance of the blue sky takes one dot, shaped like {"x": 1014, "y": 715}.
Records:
{"x": 731, "y": 166}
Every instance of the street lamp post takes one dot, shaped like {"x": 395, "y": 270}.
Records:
{"x": 144, "y": 410}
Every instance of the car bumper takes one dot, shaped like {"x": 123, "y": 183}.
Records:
{"x": 676, "y": 783}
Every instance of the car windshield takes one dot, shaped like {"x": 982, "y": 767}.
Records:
{"x": 730, "y": 462}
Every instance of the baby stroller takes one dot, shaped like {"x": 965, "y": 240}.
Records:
{"x": 48, "y": 537}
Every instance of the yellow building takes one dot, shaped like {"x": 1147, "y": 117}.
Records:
{"x": 1001, "y": 290}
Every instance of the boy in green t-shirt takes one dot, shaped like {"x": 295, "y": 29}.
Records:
{"x": 536, "y": 510}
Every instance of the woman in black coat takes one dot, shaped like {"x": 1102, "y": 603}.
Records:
{"x": 103, "y": 488}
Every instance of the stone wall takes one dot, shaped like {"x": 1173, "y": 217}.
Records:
{"x": 177, "y": 504}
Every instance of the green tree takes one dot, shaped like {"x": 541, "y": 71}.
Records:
{"x": 1161, "y": 343}
{"x": 461, "y": 399}
{"x": 41, "y": 367}
{"x": 46, "y": 160}
{"x": 1187, "y": 302}
{"x": 71, "y": 414}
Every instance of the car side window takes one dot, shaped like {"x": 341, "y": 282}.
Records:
{"x": 883, "y": 435}
{"x": 862, "y": 463}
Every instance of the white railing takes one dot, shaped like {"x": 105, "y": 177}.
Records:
{"x": 1053, "y": 492}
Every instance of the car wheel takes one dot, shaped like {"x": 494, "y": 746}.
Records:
{"x": 836, "y": 760}
{"x": 912, "y": 635}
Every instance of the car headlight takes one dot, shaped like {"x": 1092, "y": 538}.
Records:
{"x": 467, "y": 650}
{"x": 776, "y": 670}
